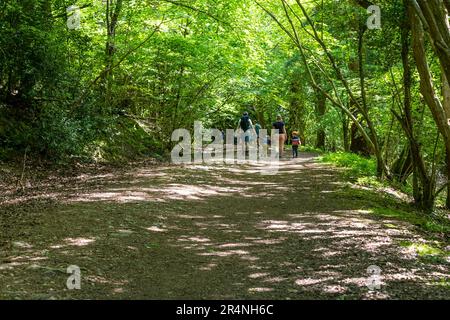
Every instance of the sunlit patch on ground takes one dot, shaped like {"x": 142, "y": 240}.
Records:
{"x": 205, "y": 232}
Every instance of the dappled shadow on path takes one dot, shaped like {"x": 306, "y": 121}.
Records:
{"x": 218, "y": 233}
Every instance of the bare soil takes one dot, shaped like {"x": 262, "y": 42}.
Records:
{"x": 198, "y": 232}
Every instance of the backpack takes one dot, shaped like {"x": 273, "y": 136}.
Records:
{"x": 245, "y": 123}
{"x": 257, "y": 129}
{"x": 295, "y": 141}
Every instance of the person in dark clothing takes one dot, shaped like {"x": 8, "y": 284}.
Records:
{"x": 245, "y": 124}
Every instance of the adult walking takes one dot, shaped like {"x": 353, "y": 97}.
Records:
{"x": 281, "y": 127}
{"x": 246, "y": 125}
{"x": 257, "y": 130}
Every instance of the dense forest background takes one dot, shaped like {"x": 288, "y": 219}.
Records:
{"x": 111, "y": 80}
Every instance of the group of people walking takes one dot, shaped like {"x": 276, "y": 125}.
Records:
{"x": 245, "y": 123}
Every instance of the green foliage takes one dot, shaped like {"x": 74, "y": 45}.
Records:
{"x": 125, "y": 139}
{"x": 58, "y": 134}
{"x": 370, "y": 181}
{"x": 355, "y": 165}
{"x": 428, "y": 253}
{"x": 422, "y": 249}
{"x": 311, "y": 149}
{"x": 425, "y": 222}
{"x": 63, "y": 96}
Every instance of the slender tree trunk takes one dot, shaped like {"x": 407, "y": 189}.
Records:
{"x": 321, "y": 108}
{"x": 446, "y": 105}
{"x": 382, "y": 170}
{"x": 113, "y": 11}
{"x": 433, "y": 17}
{"x": 371, "y": 138}
{"x": 345, "y": 134}
{"x": 362, "y": 78}
{"x": 425, "y": 196}
{"x": 297, "y": 108}
{"x": 437, "y": 108}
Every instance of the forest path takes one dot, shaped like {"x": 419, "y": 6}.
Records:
{"x": 224, "y": 232}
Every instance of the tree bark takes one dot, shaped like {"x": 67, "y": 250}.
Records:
{"x": 321, "y": 108}
{"x": 433, "y": 15}
{"x": 112, "y": 18}
{"x": 425, "y": 196}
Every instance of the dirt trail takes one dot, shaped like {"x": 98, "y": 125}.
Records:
{"x": 214, "y": 233}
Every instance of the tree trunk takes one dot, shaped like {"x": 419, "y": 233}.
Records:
{"x": 297, "y": 109}
{"x": 403, "y": 167}
{"x": 321, "y": 108}
{"x": 438, "y": 109}
{"x": 433, "y": 16}
{"x": 427, "y": 197}
{"x": 112, "y": 18}
{"x": 446, "y": 105}
{"x": 358, "y": 144}
{"x": 371, "y": 138}
{"x": 345, "y": 134}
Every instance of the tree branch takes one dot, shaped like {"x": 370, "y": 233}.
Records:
{"x": 363, "y": 3}
{"x": 187, "y": 6}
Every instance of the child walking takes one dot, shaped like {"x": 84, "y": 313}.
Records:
{"x": 295, "y": 144}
